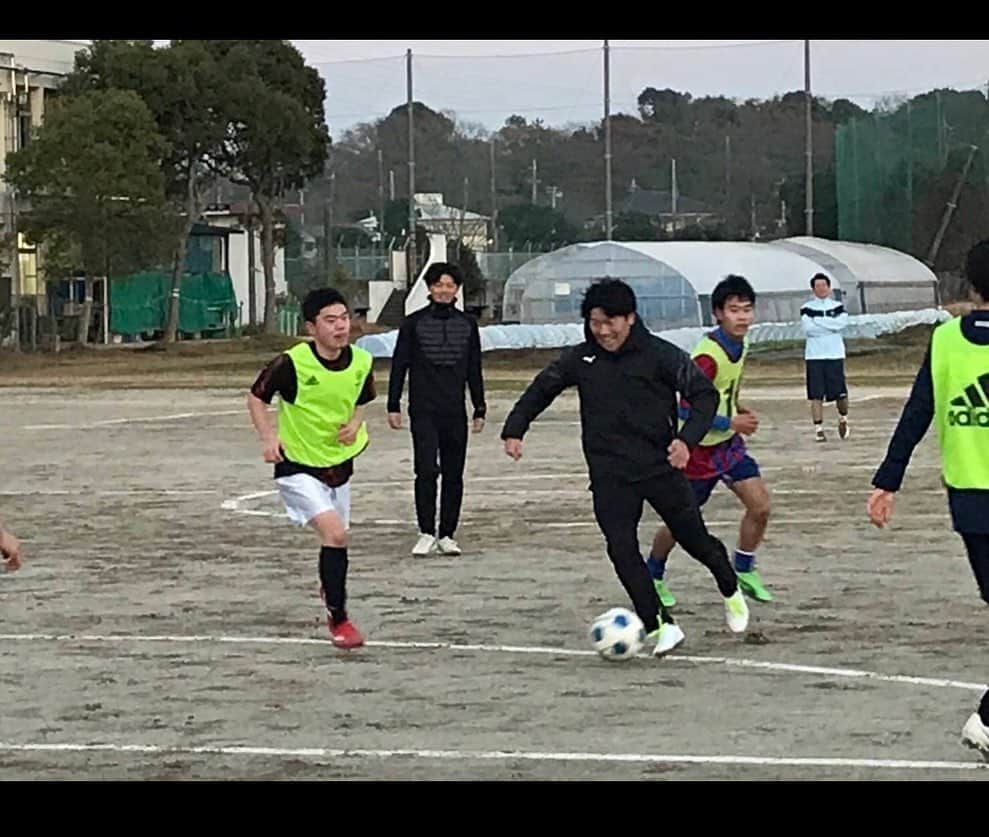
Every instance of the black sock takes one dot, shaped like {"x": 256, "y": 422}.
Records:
{"x": 333, "y": 575}
{"x": 984, "y": 709}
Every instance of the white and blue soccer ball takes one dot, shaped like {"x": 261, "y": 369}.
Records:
{"x": 618, "y": 634}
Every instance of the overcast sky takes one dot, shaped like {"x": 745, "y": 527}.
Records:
{"x": 560, "y": 81}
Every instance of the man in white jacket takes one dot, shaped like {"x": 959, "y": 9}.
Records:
{"x": 823, "y": 320}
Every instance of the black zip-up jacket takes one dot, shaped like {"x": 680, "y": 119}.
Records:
{"x": 628, "y": 403}
{"x": 440, "y": 347}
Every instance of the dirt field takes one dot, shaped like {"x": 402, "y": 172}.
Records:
{"x": 167, "y": 623}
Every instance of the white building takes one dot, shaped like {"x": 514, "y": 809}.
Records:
{"x": 238, "y": 261}
{"x": 30, "y": 73}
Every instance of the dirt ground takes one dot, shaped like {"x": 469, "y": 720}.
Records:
{"x": 167, "y": 624}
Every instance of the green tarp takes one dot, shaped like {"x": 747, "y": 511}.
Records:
{"x": 139, "y": 303}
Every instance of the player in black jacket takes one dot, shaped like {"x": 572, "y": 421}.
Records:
{"x": 630, "y": 383}
{"x": 440, "y": 347}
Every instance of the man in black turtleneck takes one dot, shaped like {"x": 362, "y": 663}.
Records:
{"x": 440, "y": 347}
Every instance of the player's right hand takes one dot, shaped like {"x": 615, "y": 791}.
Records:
{"x": 273, "y": 451}
{"x": 745, "y": 423}
{"x": 879, "y": 507}
{"x": 395, "y": 421}
{"x": 10, "y": 549}
{"x": 513, "y": 447}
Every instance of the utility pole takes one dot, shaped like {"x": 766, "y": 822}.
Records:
{"x": 940, "y": 127}
{"x": 381, "y": 195}
{"x": 413, "y": 256}
{"x": 331, "y": 253}
{"x": 15, "y": 287}
{"x": 809, "y": 152}
{"x": 252, "y": 305}
{"x": 494, "y": 200}
{"x": 608, "y": 210}
{"x": 949, "y": 210}
{"x": 535, "y": 171}
{"x": 727, "y": 172}
{"x": 325, "y": 252}
{"x": 673, "y": 191}
{"x": 463, "y": 214}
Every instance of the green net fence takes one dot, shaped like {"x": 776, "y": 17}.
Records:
{"x": 897, "y": 171}
{"x": 139, "y": 303}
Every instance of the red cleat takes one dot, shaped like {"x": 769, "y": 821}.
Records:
{"x": 346, "y": 635}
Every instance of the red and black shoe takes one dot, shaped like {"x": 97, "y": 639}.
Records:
{"x": 345, "y": 634}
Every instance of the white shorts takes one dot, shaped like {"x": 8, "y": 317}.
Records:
{"x": 305, "y": 497}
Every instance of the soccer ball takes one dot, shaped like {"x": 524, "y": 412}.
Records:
{"x": 618, "y": 634}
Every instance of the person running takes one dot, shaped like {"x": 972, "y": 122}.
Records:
{"x": 323, "y": 386}
{"x": 952, "y": 390}
{"x": 722, "y": 456}
{"x": 627, "y": 380}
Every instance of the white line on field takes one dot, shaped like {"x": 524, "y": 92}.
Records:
{"x": 822, "y": 671}
{"x": 488, "y": 755}
{"x": 489, "y": 478}
{"x": 107, "y": 492}
{"x": 131, "y": 420}
{"x": 234, "y": 505}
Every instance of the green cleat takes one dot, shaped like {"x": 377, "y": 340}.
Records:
{"x": 752, "y": 586}
{"x": 665, "y": 595}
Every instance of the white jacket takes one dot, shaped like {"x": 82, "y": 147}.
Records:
{"x": 823, "y": 321}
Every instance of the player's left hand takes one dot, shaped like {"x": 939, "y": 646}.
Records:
{"x": 347, "y": 434}
{"x": 477, "y": 425}
{"x": 679, "y": 453}
{"x": 879, "y": 507}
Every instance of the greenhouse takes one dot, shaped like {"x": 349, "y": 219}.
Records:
{"x": 673, "y": 280}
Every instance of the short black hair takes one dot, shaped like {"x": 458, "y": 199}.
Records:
{"x": 613, "y": 296}
{"x": 316, "y": 300}
{"x": 817, "y": 276}
{"x": 977, "y": 269}
{"x": 437, "y": 270}
{"x": 730, "y": 286}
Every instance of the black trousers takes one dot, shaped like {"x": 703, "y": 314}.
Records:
{"x": 439, "y": 444}
{"x": 977, "y": 546}
{"x": 618, "y": 509}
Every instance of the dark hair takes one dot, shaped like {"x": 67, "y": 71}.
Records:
{"x": 316, "y": 300}
{"x": 820, "y": 276}
{"x": 438, "y": 269}
{"x": 730, "y": 286}
{"x": 977, "y": 269}
{"x": 613, "y": 296}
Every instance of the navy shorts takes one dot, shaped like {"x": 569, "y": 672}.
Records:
{"x": 826, "y": 380}
{"x": 745, "y": 469}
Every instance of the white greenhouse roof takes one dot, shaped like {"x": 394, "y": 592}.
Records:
{"x": 866, "y": 262}
{"x": 773, "y": 267}
{"x": 702, "y": 263}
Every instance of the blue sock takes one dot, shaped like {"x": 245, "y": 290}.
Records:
{"x": 657, "y": 567}
{"x": 744, "y": 561}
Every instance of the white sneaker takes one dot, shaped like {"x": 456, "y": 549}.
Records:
{"x": 843, "y": 429}
{"x": 448, "y": 546}
{"x": 819, "y": 435}
{"x": 670, "y": 636}
{"x": 737, "y": 612}
{"x": 425, "y": 544}
{"x": 975, "y": 734}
